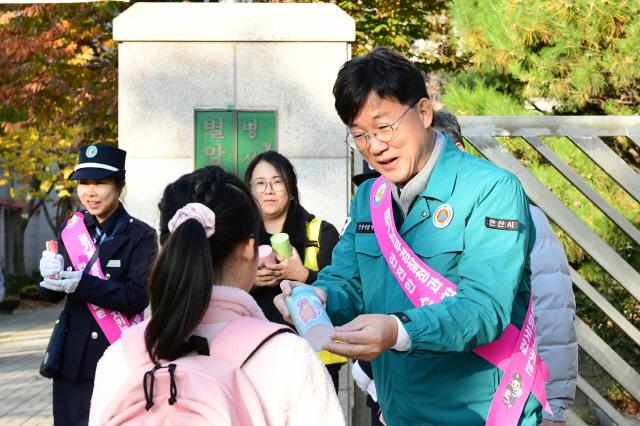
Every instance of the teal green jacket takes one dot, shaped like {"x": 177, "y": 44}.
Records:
{"x": 439, "y": 381}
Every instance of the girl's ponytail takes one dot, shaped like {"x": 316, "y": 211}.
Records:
{"x": 189, "y": 263}
{"x": 180, "y": 289}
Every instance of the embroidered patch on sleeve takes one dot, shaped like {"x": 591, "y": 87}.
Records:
{"x": 404, "y": 318}
{"x": 502, "y": 224}
{"x": 364, "y": 227}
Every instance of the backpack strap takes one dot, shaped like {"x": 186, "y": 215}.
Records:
{"x": 311, "y": 252}
{"x": 242, "y": 337}
{"x": 133, "y": 346}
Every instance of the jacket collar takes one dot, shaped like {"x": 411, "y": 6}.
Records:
{"x": 439, "y": 186}
{"x": 416, "y": 186}
{"x": 228, "y": 303}
{"x": 443, "y": 177}
{"x": 108, "y": 226}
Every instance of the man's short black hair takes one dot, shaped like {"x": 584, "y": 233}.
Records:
{"x": 382, "y": 71}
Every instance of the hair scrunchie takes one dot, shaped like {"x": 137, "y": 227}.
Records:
{"x": 203, "y": 214}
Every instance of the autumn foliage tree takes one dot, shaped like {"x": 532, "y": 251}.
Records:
{"x": 419, "y": 29}
{"x": 58, "y": 79}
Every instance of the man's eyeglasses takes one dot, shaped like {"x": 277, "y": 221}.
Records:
{"x": 260, "y": 185}
{"x": 384, "y": 133}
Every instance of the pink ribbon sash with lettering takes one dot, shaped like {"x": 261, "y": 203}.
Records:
{"x": 80, "y": 249}
{"x": 514, "y": 352}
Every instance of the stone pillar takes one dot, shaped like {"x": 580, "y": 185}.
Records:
{"x": 175, "y": 58}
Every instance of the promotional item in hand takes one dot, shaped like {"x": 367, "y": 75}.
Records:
{"x": 51, "y": 268}
{"x": 309, "y": 316}
{"x": 52, "y": 247}
{"x": 281, "y": 245}
{"x": 51, "y": 263}
{"x": 265, "y": 255}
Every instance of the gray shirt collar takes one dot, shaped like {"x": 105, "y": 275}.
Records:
{"x": 419, "y": 182}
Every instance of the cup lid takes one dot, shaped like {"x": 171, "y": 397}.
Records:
{"x": 281, "y": 237}
{"x": 264, "y": 250}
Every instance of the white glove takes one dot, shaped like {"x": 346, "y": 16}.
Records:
{"x": 50, "y": 264}
{"x": 359, "y": 376}
{"x": 363, "y": 381}
{"x": 67, "y": 283}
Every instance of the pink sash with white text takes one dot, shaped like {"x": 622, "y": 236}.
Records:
{"x": 80, "y": 249}
{"x": 514, "y": 351}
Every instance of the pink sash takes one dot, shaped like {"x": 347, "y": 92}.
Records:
{"x": 80, "y": 249}
{"x": 514, "y": 351}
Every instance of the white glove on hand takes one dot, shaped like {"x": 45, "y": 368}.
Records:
{"x": 363, "y": 381}
{"x": 67, "y": 283}
{"x": 50, "y": 264}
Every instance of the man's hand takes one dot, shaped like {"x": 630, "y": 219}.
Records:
{"x": 287, "y": 287}
{"x": 366, "y": 337}
{"x": 290, "y": 268}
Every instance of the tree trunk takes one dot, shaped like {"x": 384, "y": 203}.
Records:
{"x": 16, "y": 226}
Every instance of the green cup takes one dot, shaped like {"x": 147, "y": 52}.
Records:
{"x": 280, "y": 244}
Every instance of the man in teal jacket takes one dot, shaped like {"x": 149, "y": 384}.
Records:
{"x": 423, "y": 366}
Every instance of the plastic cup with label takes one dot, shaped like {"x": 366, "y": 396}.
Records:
{"x": 281, "y": 245}
{"x": 309, "y": 316}
{"x": 52, "y": 247}
{"x": 265, "y": 255}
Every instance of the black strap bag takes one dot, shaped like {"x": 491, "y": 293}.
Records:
{"x": 52, "y": 361}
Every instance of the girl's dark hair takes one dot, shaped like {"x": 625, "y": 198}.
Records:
{"x": 382, "y": 71}
{"x": 296, "y": 221}
{"x": 189, "y": 263}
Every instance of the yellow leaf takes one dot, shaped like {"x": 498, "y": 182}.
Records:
{"x": 66, "y": 172}
{"x": 82, "y": 57}
{"x": 44, "y": 186}
{"x": 64, "y": 194}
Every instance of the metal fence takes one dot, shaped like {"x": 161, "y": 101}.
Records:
{"x": 585, "y": 132}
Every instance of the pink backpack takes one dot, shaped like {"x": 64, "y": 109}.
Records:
{"x": 195, "y": 389}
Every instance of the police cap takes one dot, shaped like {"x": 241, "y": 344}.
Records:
{"x": 99, "y": 162}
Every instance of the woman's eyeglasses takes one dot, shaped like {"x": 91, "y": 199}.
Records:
{"x": 260, "y": 185}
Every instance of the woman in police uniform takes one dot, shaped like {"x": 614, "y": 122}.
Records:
{"x": 126, "y": 247}
{"x": 273, "y": 183}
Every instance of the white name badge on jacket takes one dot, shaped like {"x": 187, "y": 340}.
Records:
{"x": 113, "y": 263}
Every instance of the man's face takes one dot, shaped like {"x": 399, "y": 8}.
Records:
{"x": 401, "y": 158}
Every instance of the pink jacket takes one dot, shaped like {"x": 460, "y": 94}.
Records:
{"x": 292, "y": 383}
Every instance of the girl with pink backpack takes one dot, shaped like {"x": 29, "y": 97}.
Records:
{"x": 208, "y": 355}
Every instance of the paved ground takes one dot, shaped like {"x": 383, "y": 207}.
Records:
{"x": 25, "y": 395}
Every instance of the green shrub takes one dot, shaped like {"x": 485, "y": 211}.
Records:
{"x": 14, "y": 282}
{"x": 29, "y": 292}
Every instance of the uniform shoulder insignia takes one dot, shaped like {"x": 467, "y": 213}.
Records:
{"x": 502, "y": 224}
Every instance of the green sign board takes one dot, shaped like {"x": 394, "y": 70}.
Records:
{"x": 232, "y": 138}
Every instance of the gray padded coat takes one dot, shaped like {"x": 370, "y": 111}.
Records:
{"x": 555, "y": 307}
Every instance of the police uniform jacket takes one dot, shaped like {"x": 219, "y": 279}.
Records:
{"x": 439, "y": 380}
{"x": 126, "y": 255}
